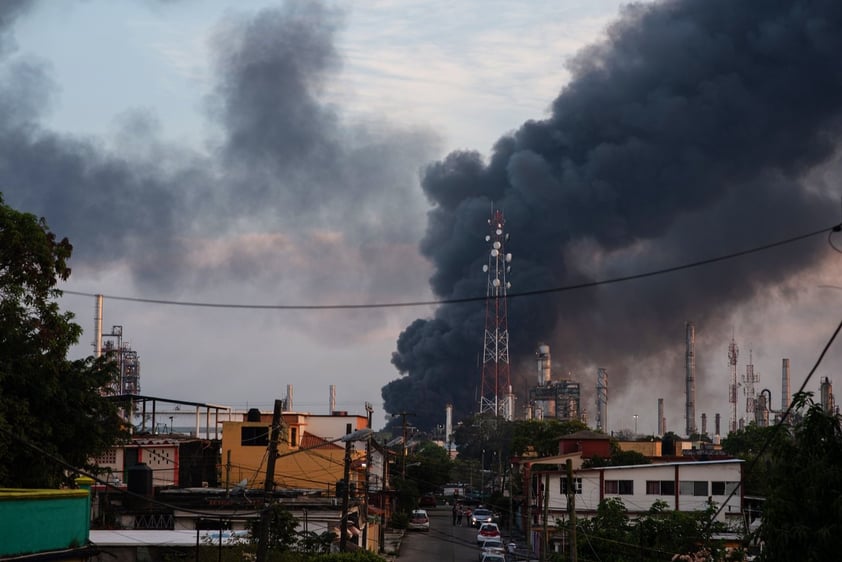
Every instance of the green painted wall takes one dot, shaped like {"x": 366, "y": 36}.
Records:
{"x": 33, "y": 521}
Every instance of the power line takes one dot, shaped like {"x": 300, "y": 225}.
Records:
{"x": 407, "y": 304}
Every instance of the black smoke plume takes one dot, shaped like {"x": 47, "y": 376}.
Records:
{"x": 687, "y": 133}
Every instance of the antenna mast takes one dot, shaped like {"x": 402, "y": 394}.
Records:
{"x": 733, "y": 352}
{"x": 496, "y": 396}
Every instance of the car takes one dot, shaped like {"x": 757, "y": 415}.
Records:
{"x": 481, "y": 515}
{"x": 491, "y": 546}
{"x": 492, "y": 557}
{"x": 488, "y": 531}
{"x": 419, "y": 521}
{"x": 427, "y": 500}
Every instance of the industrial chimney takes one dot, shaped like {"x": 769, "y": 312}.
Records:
{"x": 690, "y": 368}
{"x": 332, "y": 399}
{"x": 543, "y": 354}
{"x": 662, "y": 421}
{"x": 98, "y": 327}
{"x": 785, "y": 390}
{"x": 448, "y": 425}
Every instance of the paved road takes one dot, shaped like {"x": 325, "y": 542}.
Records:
{"x": 444, "y": 542}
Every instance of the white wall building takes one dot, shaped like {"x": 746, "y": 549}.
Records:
{"x": 684, "y": 486}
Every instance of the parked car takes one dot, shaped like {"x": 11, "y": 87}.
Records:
{"x": 488, "y": 531}
{"x": 427, "y": 500}
{"x": 492, "y": 557}
{"x": 481, "y": 515}
{"x": 419, "y": 521}
{"x": 491, "y": 546}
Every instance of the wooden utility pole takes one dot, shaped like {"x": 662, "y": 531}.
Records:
{"x": 346, "y": 475}
{"x": 269, "y": 484}
{"x": 403, "y": 455}
{"x": 369, "y": 409}
{"x": 571, "y": 511}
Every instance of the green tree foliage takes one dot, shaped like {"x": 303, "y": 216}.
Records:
{"x": 541, "y": 437}
{"x": 659, "y": 534}
{"x": 802, "y": 515}
{"x": 429, "y": 466}
{"x": 747, "y": 444}
{"x": 50, "y": 407}
{"x": 282, "y": 528}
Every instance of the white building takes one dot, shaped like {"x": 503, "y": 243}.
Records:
{"x": 684, "y": 486}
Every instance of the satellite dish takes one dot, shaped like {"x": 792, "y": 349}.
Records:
{"x": 496, "y": 245}
{"x": 487, "y": 238}
{"x": 485, "y": 268}
{"x": 494, "y": 253}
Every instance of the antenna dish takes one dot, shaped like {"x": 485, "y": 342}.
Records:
{"x": 496, "y": 245}
{"x": 487, "y": 238}
{"x": 494, "y": 253}
{"x": 485, "y": 268}
{"x": 508, "y": 257}
{"x": 498, "y": 231}
{"x": 496, "y": 282}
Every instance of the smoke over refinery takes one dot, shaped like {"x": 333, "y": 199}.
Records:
{"x": 693, "y": 130}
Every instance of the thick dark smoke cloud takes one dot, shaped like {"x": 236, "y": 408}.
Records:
{"x": 686, "y": 133}
{"x": 287, "y": 185}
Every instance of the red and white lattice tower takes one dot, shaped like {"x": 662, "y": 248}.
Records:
{"x": 496, "y": 397}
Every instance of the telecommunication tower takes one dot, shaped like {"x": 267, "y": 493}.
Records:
{"x": 749, "y": 380}
{"x": 733, "y": 352}
{"x": 496, "y": 396}
{"x": 602, "y": 400}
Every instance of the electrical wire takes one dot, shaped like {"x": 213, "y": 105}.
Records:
{"x": 780, "y": 423}
{"x": 408, "y": 304}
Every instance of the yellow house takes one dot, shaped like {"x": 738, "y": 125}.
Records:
{"x": 305, "y": 460}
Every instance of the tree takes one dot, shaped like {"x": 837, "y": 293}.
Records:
{"x": 429, "y": 467}
{"x": 52, "y": 414}
{"x": 542, "y": 436}
{"x": 802, "y": 515}
{"x": 747, "y": 444}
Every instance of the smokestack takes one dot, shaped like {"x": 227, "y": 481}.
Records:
{"x": 543, "y": 364}
{"x": 716, "y": 426}
{"x": 785, "y": 390}
{"x": 704, "y": 424}
{"x": 448, "y": 424}
{"x": 332, "y": 398}
{"x": 662, "y": 422}
{"x": 690, "y": 367}
{"x": 289, "y": 398}
{"x": 98, "y": 327}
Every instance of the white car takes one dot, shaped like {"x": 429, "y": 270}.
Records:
{"x": 419, "y": 521}
{"x": 492, "y": 557}
{"x": 488, "y": 531}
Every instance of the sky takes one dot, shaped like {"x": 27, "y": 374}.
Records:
{"x": 335, "y": 153}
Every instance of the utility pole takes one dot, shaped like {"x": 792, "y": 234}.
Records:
{"x": 385, "y": 498}
{"x": 343, "y": 525}
{"x": 369, "y": 409}
{"x": 571, "y": 511}
{"x": 403, "y": 424}
{"x": 269, "y": 484}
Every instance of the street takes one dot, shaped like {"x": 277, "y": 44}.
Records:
{"x": 444, "y": 542}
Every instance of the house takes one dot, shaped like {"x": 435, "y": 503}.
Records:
{"x": 306, "y": 460}
{"x": 689, "y": 485}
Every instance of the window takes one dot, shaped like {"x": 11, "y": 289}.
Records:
{"x": 577, "y": 486}
{"x": 251, "y": 436}
{"x": 108, "y": 457}
{"x": 723, "y": 488}
{"x": 293, "y": 437}
{"x": 620, "y": 487}
{"x": 660, "y": 488}
{"x": 693, "y": 488}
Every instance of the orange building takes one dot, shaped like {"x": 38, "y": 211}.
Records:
{"x": 310, "y": 455}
